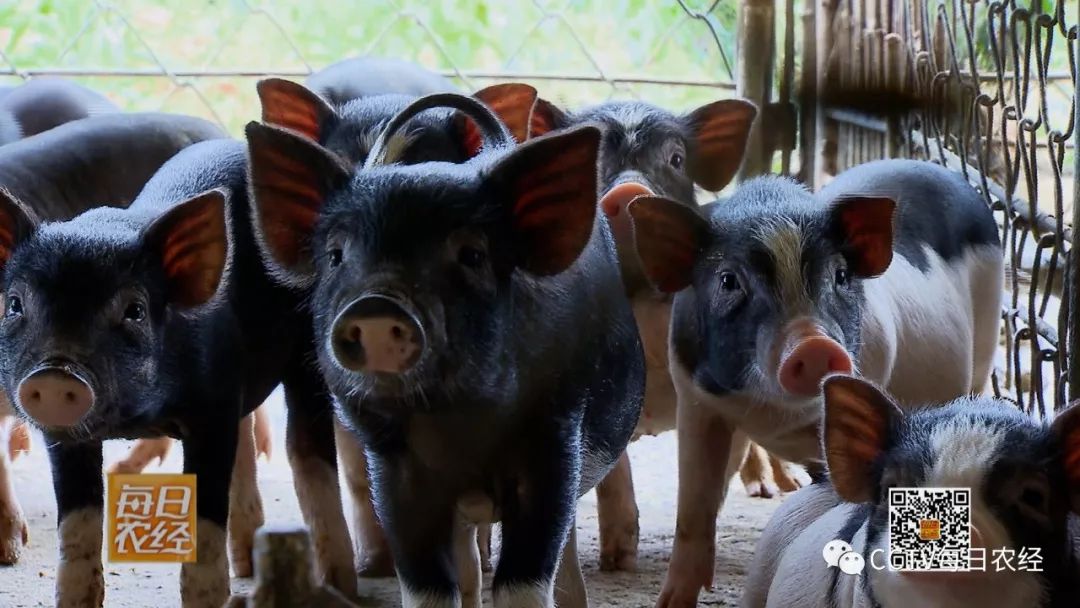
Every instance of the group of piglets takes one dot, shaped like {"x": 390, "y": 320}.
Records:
{"x": 494, "y": 296}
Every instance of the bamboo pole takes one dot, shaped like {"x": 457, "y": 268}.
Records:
{"x": 753, "y": 78}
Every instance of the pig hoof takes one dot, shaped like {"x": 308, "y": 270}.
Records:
{"x": 376, "y": 565}
{"x": 789, "y": 481}
{"x": 19, "y": 441}
{"x": 14, "y": 534}
{"x": 760, "y": 488}
{"x": 618, "y": 553}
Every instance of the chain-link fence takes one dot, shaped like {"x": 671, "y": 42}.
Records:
{"x": 986, "y": 87}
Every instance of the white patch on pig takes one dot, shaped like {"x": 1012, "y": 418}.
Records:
{"x": 784, "y": 240}
{"x": 80, "y": 582}
{"x": 631, "y": 118}
{"x": 205, "y": 583}
{"x": 942, "y": 321}
{"x": 411, "y": 598}
{"x": 396, "y": 146}
{"x": 539, "y": 595}
{"x": 319, "y": 496}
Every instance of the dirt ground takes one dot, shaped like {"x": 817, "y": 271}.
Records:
{"x": 30, "y": 583}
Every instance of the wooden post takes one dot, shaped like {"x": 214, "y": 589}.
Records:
{"x": 808, "y": 93}
{"x": 753, "y": 81}
{"x": 825, "y": 145}
{"x": 285, "y": 573}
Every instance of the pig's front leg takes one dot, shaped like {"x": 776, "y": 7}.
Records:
{"x": 616, "y": 508}
{"x": 370, "y": 544}
{"x": 705, "y": 446}
{"x": 420, "y": 520}
{"x": 209, "y": 456}
{"x": 537, "y": 513}
{"x": 80, "y": 495}
{"x": 13, "y": 529}
{"x": 310, "y": 446}
{"x": 245, "y": 503}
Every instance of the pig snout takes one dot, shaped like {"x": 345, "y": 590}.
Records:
{"x": 614, "y": 203}
{"x": 54, "y": 396}
{"x": 377, "y": 334}
{"x": 806, "y": 361}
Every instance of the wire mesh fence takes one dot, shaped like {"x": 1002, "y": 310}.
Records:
{"x": 988, "y": 89}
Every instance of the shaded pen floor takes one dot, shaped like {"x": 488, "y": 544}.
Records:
{"x": 30, "y": 583}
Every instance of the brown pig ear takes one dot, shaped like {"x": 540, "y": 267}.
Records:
{"x": 290, "y": 178}
{"x": 16, "y": 223}
{"x": 669, "y": 237}
{"x": 1066, "y": 429}
{"x": 550, "y": 184}
{"x": 512, "y": 102}
{"x": 720, "y": 132}
{"x": 864, "y": 225}
{"x": 293, "y": 106}
{"x": 858, "y": 420}
{"x": 546, "y": 117}
{"x": 192, "y": 240}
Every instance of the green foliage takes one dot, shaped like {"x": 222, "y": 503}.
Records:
{"x": 616, "y": 38}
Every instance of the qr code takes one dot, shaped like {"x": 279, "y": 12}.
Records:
{"x": 930, "y": 529}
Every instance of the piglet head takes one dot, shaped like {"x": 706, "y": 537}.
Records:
{"x": 413, "y": 268}
{"x": 1019, "y": 474}
{"x": 776, "y": 284}
{"x": 86, "y": 302}
{"x": 649, "y": 151}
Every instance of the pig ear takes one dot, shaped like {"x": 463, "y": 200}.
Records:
{"x": 291, "y": 105}
{"x": 17, "y": 222}
{"x": 290, "y": 178}
{"x": 550, "y": 184}
{"x": 864, "y": 226}
{"x": 512, "y": 102}
{"x": 669, "y": 237}
{"x": 192, "y": 240}
{"x": 858, "y": 419}
{"x": 546, "y": 117}
{"x": 1066, "y": 429}
{"x": 720, "y": 131}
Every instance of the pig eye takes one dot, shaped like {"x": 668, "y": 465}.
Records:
{"x": 677, "y": 160}
{"x": 728, "y": 281}
{"x": 135, "y": 311}
{"x": 335, "y": 257}
{"x": 14, "y": 306}
{"x": 471, "y": 257}
{"x": 841, "y": 276}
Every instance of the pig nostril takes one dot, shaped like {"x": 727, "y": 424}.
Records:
{"x": 35, "y": 396}
{"x": 397, "y": 332}
{"x": 70, "y": 396}
{"x": 798, "y": 368}
{"x": 354, "y": 334}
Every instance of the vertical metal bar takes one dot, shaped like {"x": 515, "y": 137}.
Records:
{"x": 753, "y": 78}
{"x": 1072, "y": 287}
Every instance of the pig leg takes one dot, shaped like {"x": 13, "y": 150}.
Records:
{"x": 264, "y": 438}
{"x": 420, "y": 520}
{"x": 706, "y": 449}
{"x": 14, "y": 532}
{"x": 313, "y": 458}
{"x": 80, "y": 496}
{"x": 245, "y": 503}
{"x": 467, "y": 560}
{"x": 788, "y": 475}
{"x": 142, "y": 454}
{"x": 537, "y": 513}
{"x": 483, "y": 544}
{"x": 205, "y": 582}
{"x": 618, "y": 514}
{"x": 370, "y": 543}
{"x": 19, "y": 441}
{"x": 757, "y": 473}
{"x": 569, "y": 583}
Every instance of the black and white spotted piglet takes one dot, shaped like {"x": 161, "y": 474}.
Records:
{"x": 1024, "y": 479}
{"x": 471, "y": 323}
{"x": 137, "y": 322}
